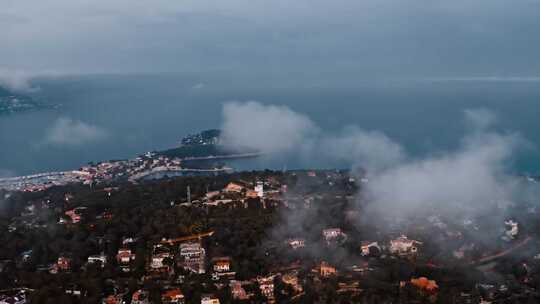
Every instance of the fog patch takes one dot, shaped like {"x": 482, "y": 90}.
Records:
{"x": 17, "y": 81}
{"x": 268, "y": 129}
{"x": 473, "y": 182}
{"x": 372, "y": 150}
{"x": 66, "y": 131}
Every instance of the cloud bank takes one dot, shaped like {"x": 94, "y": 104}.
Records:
{"x": 472, "y": 179}
{"x": 269, "y": 129}
{"x": 69, "y": 132}
{"x": 305, "y": 38}
{"x": 277, "y": 129}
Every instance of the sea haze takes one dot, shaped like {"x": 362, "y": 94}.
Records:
{"x": 115, "y": 117}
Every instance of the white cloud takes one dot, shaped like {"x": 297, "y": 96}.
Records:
{"x": 198, "y": 86}
{"x": 369, "y": 149}
{"x": 17, "y": 81}
{"x": 486, "y": 79}
{"x": 472, "y": 179}
{"x": 270, "y": 129}
{"x": 66, "y": 131}
{"x": 480, "y": 119}
{"x": 276, "y": 129}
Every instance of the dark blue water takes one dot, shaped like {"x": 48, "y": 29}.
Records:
{"x": 143, "y": 113}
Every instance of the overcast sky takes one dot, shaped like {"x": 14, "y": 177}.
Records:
{"x": 364, "y": 38}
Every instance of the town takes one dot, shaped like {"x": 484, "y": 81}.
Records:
{"x": 252, "y": 237}
{"x": 197, "y": 155}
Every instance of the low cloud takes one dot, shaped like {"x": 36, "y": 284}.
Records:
{"x": 486, "y": 79}
{"x": 480, "y": 119}
{"x": 198, "y": 86}
{"x": 473, "y": 179}
{"x": 66, "y": 131}
{"x": 278, "y": 129}
{"x": 467, "y": 182}
{"x": 17, "y": 81}
{"x": 369, "y": 149}
{"x": 269, "y": 129}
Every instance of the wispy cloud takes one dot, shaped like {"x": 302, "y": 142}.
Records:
{"x": 17, "y": 81}
{"x": 66, "y": 131}
{"x": 198, "y": 86}
{"x": 484, "y": 79}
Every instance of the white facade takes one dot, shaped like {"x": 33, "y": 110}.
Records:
{"x": 259, "y": 188}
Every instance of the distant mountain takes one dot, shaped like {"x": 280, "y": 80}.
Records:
{"x": 11, "y": 102}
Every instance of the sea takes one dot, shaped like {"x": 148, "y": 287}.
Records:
{"x": 140, "y": 113}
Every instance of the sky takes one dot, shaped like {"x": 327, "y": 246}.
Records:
{"x": 460, "y": 40}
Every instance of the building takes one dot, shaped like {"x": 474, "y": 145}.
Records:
{"x": 73, "y": 290}
{"x": 252, "y": 194}
{"x": 332, "y": 234}
{"x": 222, "y": 267}
{"x": 75, "y": 214}
{"x": 296, "y": 243}
{"x": 291, "y": 278}
{"x": 222, "y": 264}
{"x": 98, "y": 258}
{"x": 124, "y": 256}
{"x": 366, "y": 245}
{"x": 233, "y": 187}
{"x": 140, "y": 297}
{"x": 173, "y": 296}
{"x": 63, "y": 263}
{"x": 112, "y": 299}
{"x": 259, "y": 189}
{"x": 326, "y": 270}
{"x": 512, "y": 230}
{"x": 404, "y": 246}
{"x": 193, "y": 257}
{"x": 209, "y": 299}
{"x": 211, "y": 194}
{"x": 238, "y": 292}
{"x": 157, "y": 260}
{"x": 266, "y": 285}
{"x": 26, "y": 256}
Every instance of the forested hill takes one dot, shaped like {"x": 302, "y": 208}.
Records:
{"x": 204, "y": 144}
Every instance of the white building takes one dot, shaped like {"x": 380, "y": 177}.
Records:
{"x": 404, "y": 246}
{"x": 193, "y": 255}
{"x": 297, "y": 243}
{"x": 259, "y": 188}
{"x": 209, "y": 299}
{"x": 98, "y": 258}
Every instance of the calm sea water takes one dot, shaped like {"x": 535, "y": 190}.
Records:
{"x": 143, "y": 113}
